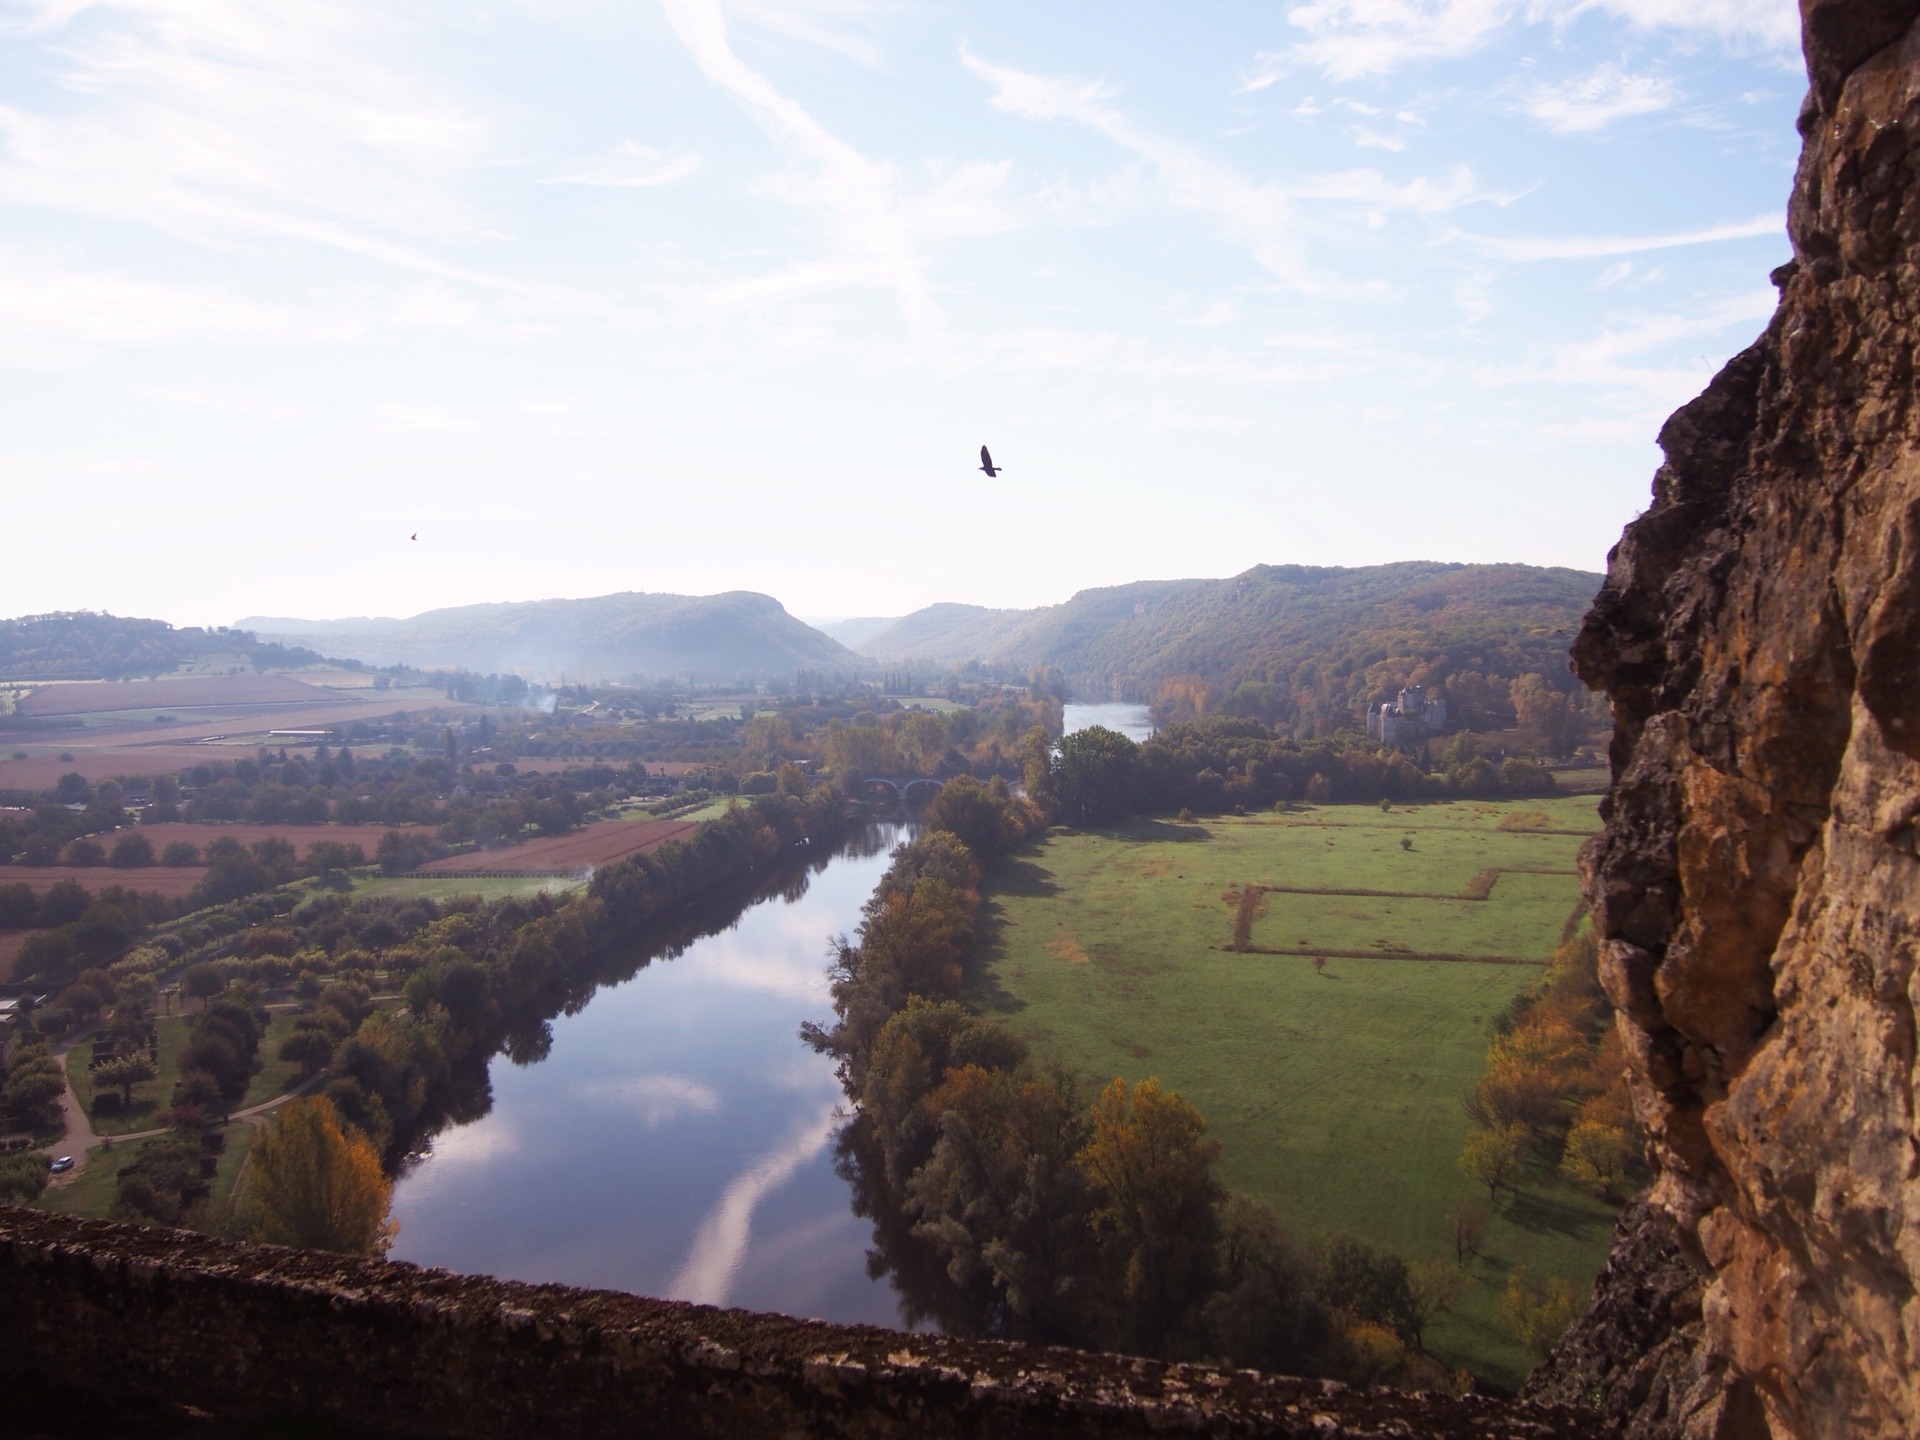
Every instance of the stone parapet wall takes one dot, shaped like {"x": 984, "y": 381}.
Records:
{"x": 244, "y": 1329}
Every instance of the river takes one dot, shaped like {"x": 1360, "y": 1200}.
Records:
{"x": 676, "y": 1140}
{"x": 1133, "y": 721}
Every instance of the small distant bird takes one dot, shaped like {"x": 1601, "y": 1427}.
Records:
{"x": 986, "y": 463}
{"x": 414, "y": 536}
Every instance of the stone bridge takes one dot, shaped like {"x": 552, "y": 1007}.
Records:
{"x": 901, "y": 789}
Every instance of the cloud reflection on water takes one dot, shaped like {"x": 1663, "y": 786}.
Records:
{"x": 713, "y": 1262}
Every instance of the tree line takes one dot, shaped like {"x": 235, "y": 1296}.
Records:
{"x": 1096, "y": 776}
{"x": 1553, "y": 1094}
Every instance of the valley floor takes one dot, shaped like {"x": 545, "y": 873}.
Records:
{"x": 1335, "y": 1091}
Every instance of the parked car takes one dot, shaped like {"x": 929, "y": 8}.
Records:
{"x": 61, "y": 1165}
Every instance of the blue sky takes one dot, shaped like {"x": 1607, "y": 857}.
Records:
{"x": 698, "y": 295}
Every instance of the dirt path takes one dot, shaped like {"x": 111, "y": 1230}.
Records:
{"x": 80, "y": 1141}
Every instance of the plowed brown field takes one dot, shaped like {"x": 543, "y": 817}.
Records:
{"x": 165, "y": 880}
{"x": 599, "y": 844}
{"x": 101, "y": 753}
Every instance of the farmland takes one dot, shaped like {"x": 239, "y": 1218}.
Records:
{"x": 92, "y": 697}
{"x": 601, "y": 843}
{"x": 1336, "y": 1092}
{"x": 302, "y": 837}
{"x": 104, "y": 729}
{"x": 171, "y": 881}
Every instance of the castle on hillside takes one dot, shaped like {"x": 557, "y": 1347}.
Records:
{"x": 1412, "y": 715}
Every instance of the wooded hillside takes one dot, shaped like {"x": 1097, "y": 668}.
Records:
{"x": 1290, "y": 644}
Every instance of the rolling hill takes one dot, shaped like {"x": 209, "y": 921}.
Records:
{"x": 93, "y": 645}
{"x": 1279, "y": 641}
{"x": 736, "y": 635}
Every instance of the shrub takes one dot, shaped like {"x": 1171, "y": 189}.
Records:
{"x": 131, "y": 852}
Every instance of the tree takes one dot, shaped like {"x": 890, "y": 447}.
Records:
{"x": 1433, "y": 1287}
{"x": 183, "y": 854}
{"x": 922, "y": 739}
{"x": 1265, "y": 1312}
{"x": 319, "y": 1185}
{"x": 1538, "y": 1316}
{"x": 1491, "y": 1156}
{"x": 1096, "y": 776}
{"x": 123, "y": 1074}
{"x": 202, "y": 981}
{"x": 966, "y": 809}
{"x": 1597, "y": 1154}
{"x": 310, "y": 1047}
{"x": 1467, "y": 1228}
{"x": 327, "y": 856}
{"x": 131, "y": 852}
{"x": 1365, "y": 1284}
{"x": 34, "y": 1087}
{"x": 23, "y": 1176}
{"x": 1530, "y": 1073}
{"x": 86, "y": 852}
{"x": 1150, "y": 1168}
{"x": 1538, "y": 706}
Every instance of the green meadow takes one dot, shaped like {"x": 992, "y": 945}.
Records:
{"x": 1335, "y": 1091}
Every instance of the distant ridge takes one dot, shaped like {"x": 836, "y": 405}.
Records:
{"x": 1280, "y": 636}
{"x": 852, "y": 632}
{"x": 740, "y": 634}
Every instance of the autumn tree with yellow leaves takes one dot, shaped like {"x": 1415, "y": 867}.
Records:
{"x": 1149, "y": 1167}
{"x": 317, "y": 1183}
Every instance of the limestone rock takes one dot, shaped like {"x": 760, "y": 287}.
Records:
{"x": 1756, "y": 886}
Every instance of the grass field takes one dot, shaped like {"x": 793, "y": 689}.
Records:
{"x": 487, "y": 887}
{"x": 1336, "y": 1094}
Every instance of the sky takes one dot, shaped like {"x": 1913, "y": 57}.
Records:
{"x": 699, "y": 295}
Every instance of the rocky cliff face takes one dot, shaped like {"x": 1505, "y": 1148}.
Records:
{"x": 1757, "y": 885}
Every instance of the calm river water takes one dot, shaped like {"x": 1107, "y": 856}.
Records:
{"x": 676, "y": 1140}
{"x": 1133, "y": 721}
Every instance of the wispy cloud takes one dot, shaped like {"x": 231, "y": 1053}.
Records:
{"x": 1261, "y": 216}
{"x": 1636, "y": 352}
{"x": 54, "y": 315}
{"x": 225, "y": 125}
{"x": 1593, "y": 101}
{"x": 844, "y": 27}
{"x": 876, "y": 235}
{"x": 1347, "y": 39}
{"x": 634, "y": 166}
{"x": 1592, "y": 247}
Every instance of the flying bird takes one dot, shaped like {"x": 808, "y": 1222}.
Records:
{"x": 986, "y": 463}
{"x": 414, "y": 536}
